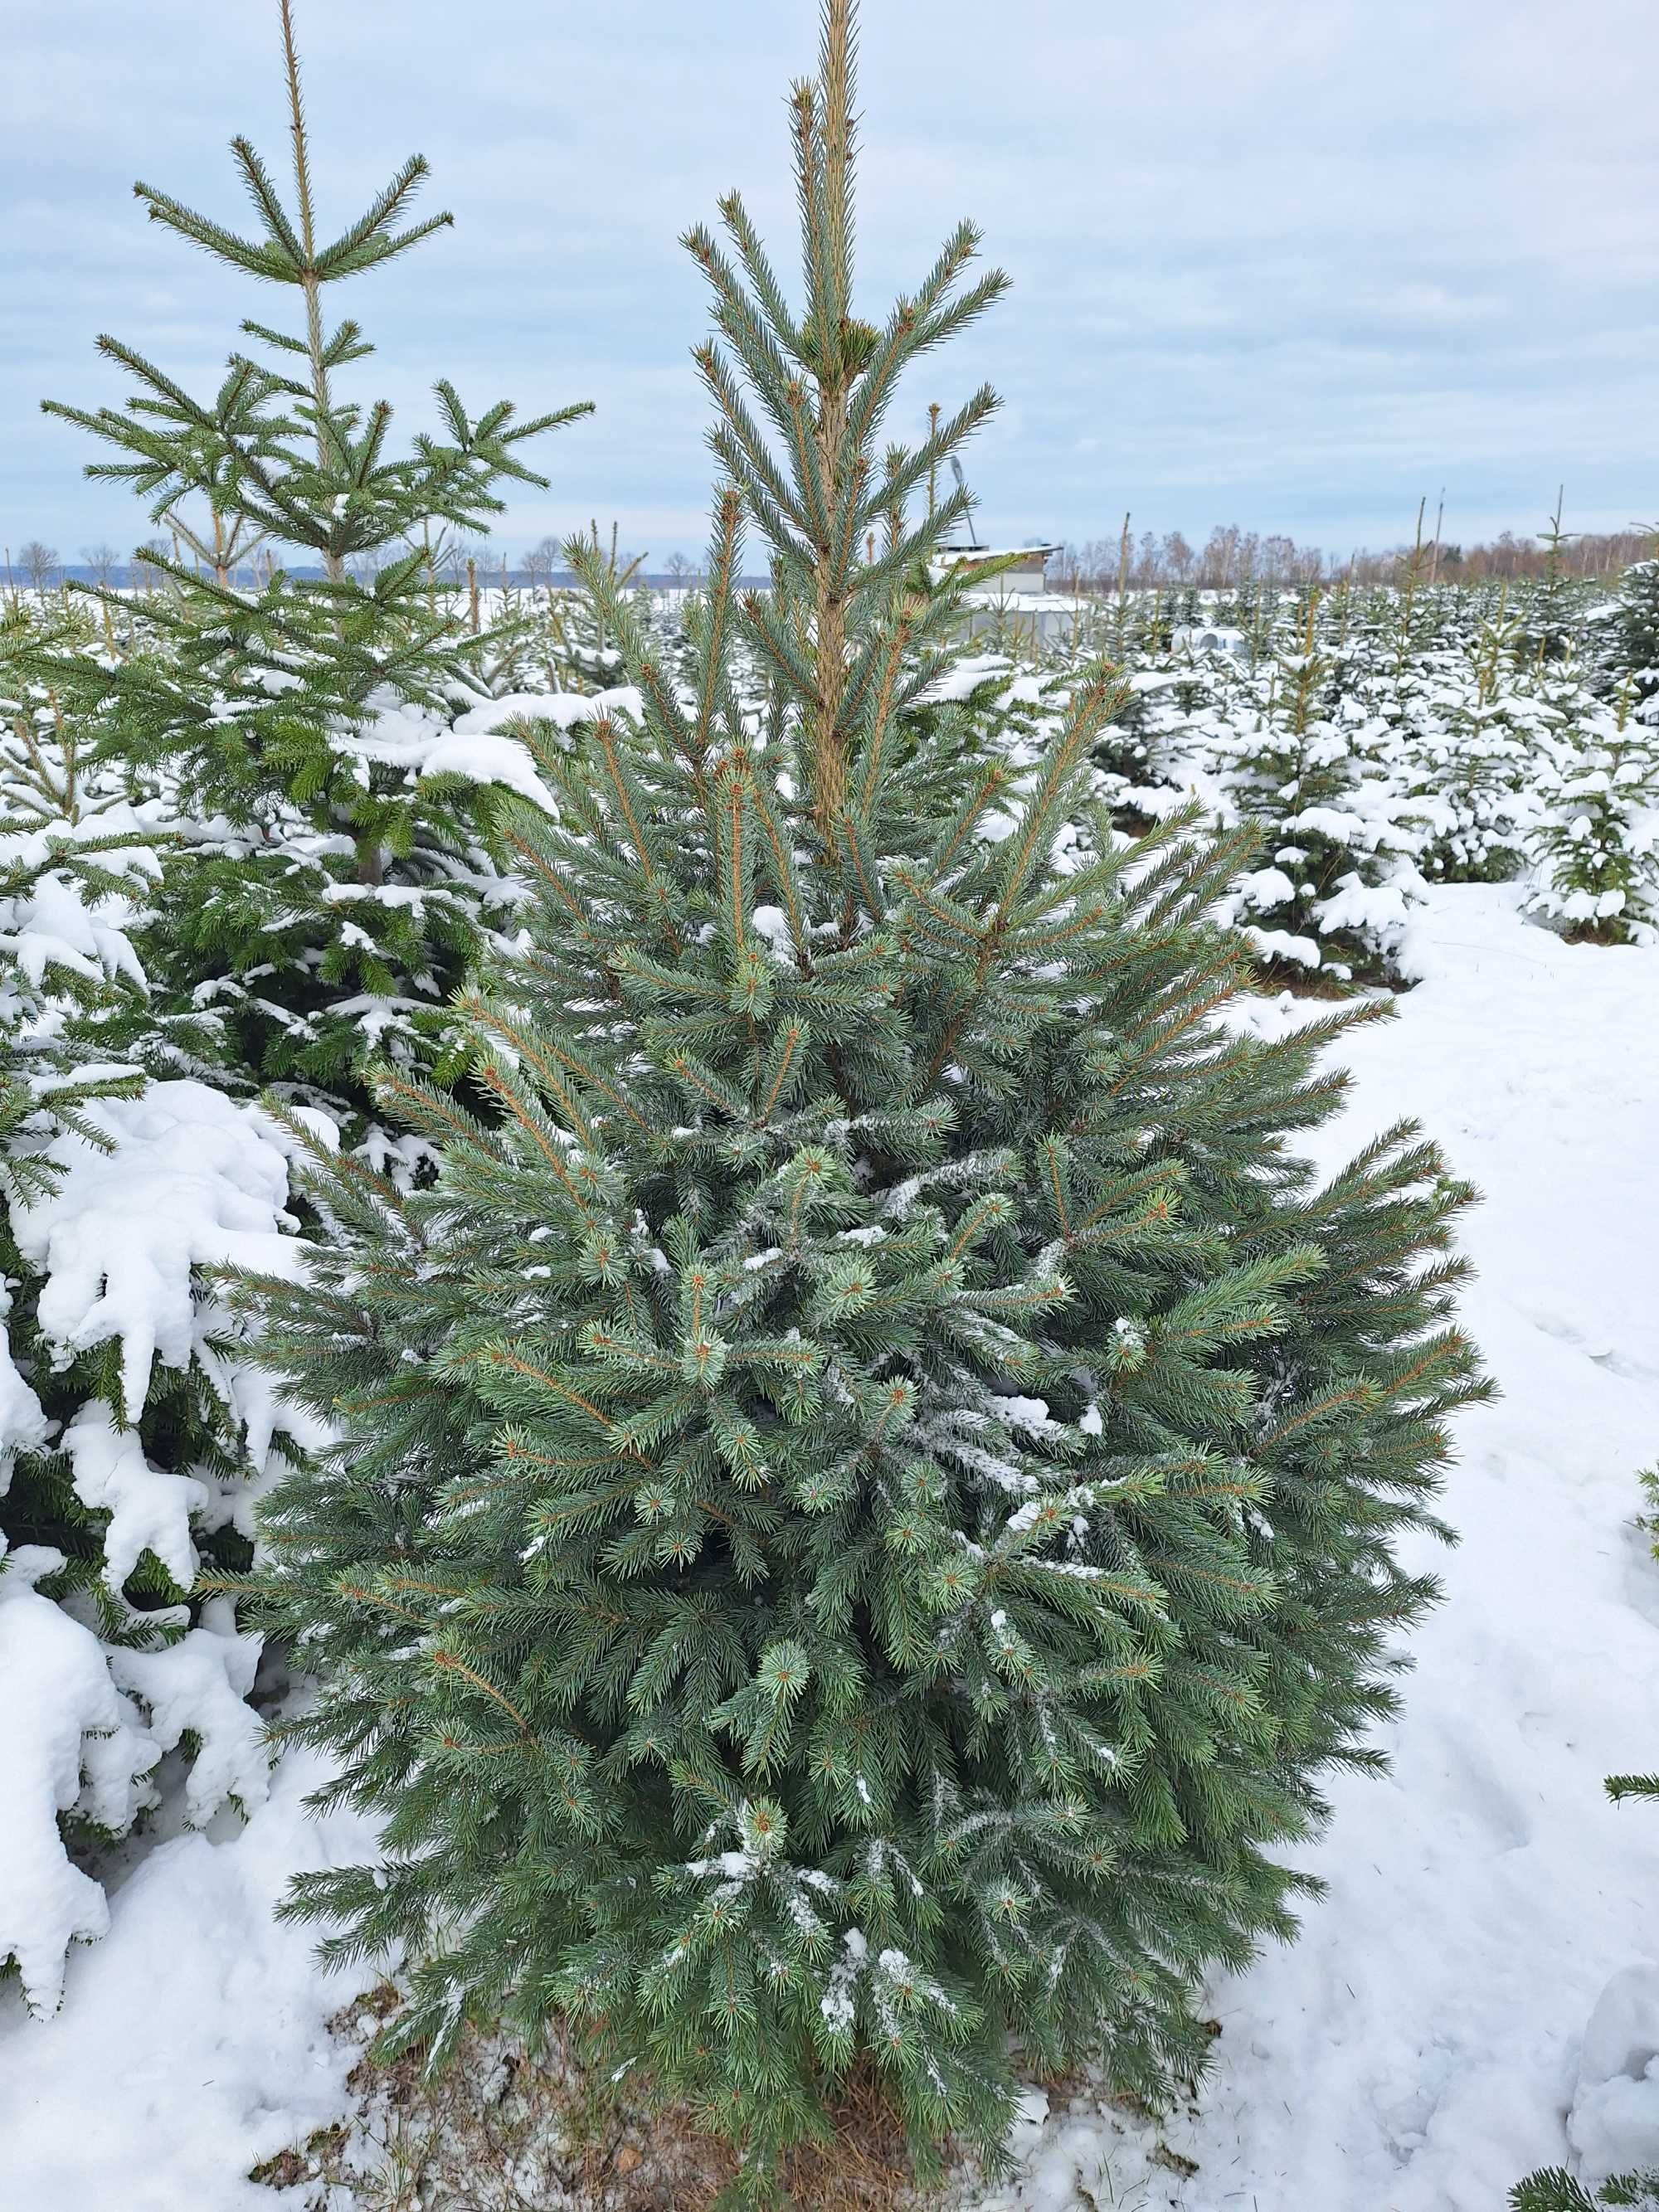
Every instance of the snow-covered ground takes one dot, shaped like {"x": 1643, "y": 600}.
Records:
{"x": 192, "y": 2040}
{"x": 1419, "y": 2048}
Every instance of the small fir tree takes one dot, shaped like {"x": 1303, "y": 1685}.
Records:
{"x": 866, "y": 1486}
{"x": 1471, "y": 727}
{"x": 345, "y": 862}
{"x": 1551, "y": 606}
{"x": 1302, "y": 765}
{"x": 1636, "y": 634}
{"x": 1597, "y": 840}
{"x": 583, "y": 648}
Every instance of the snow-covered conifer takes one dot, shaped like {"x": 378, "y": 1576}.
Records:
{"x": 1472, "y": 725}
{"x": 1337, "y": 873}
{"x": 1636, "y": 634}
{"x": 129, "y": 1431}
{"x": 1596, "y": 838}
{"x": 330, "y": 742}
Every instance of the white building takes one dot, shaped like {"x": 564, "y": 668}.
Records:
{"x": 1025, "y": 575}
{"x": 1015, "y": 607}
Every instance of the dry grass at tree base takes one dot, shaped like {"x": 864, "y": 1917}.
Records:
{"x": 1273, "y": 976}
{"x": 504, "y": 2132}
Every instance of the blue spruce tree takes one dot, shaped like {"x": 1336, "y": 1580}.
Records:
{"x": 867, "y": 1484}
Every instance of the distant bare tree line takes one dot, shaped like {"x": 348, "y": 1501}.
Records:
{"x": 1231, "y": 556}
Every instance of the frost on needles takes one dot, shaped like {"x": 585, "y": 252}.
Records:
{"x": 867, "y": 1485}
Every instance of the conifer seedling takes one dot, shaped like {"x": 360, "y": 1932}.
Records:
{"x": 337, "y": 892}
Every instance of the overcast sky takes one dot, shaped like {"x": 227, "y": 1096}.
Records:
{"x": 1293, "y": 265}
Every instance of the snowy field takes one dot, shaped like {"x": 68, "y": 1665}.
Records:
{"x": 1419, "y": 2048}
